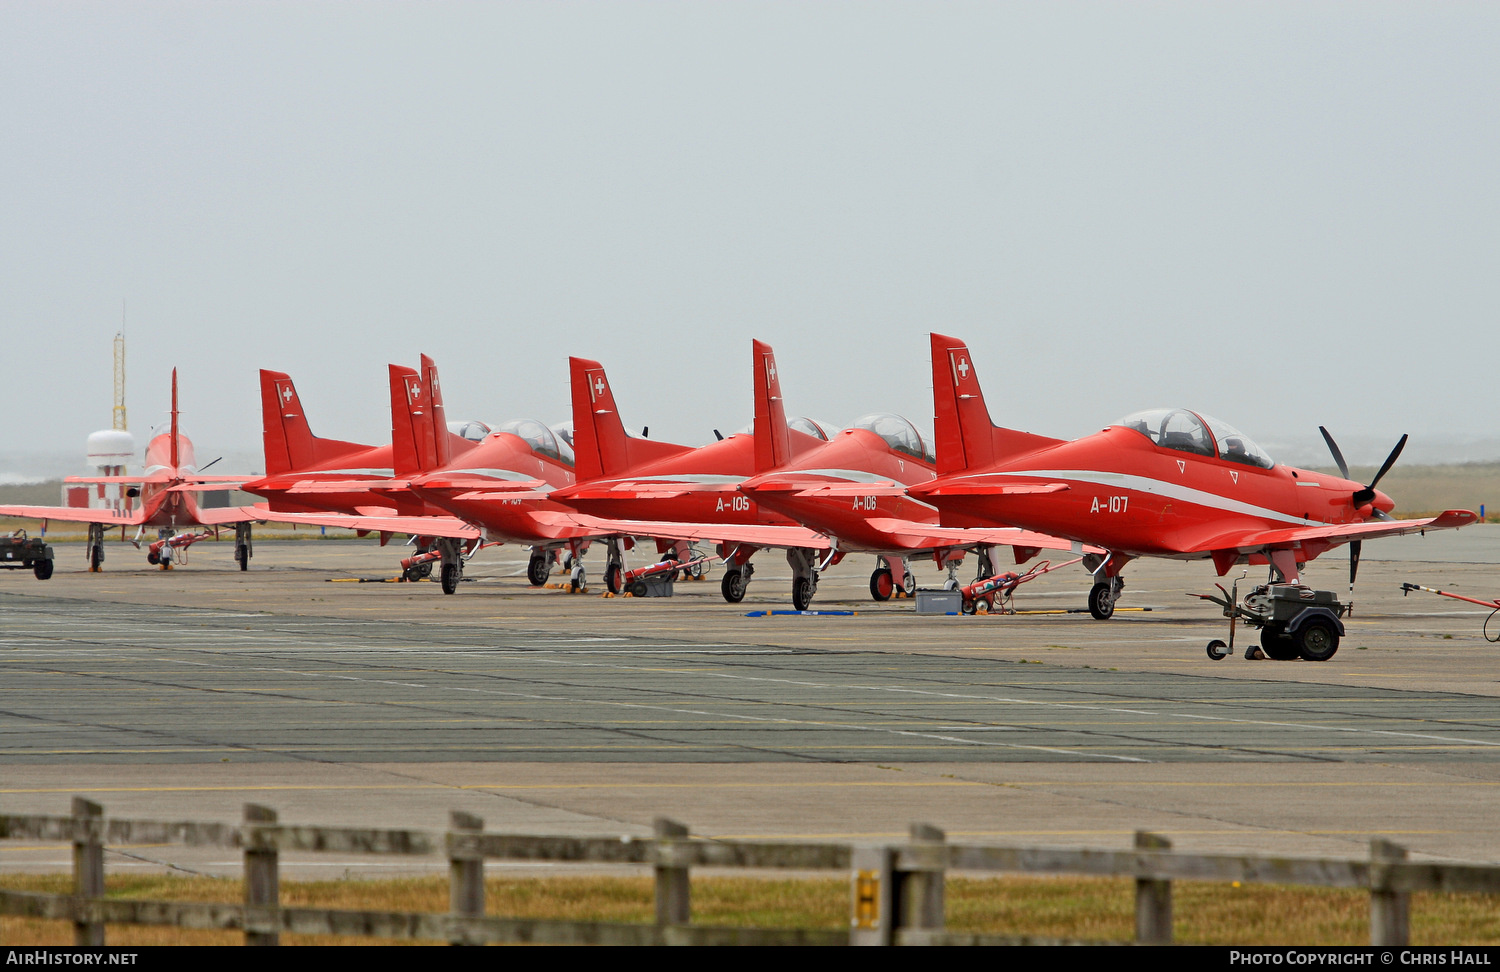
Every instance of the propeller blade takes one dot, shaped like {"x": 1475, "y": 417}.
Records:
{"x": 1338, "y": 457}
{"x": 1368, "y": 493}
{"x": 1354, "y": 549}
{"x": 1390, "y": 461}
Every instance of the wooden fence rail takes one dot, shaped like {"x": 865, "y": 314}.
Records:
{"x": 897, "y": 890}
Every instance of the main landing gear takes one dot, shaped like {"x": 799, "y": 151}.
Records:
{"x": 737, "y": 572}
{"x": 451, "y": 569}
{"x": 892, "y": 574}
{"x": 1102, "y": 597}
{"x": 540, "y": 567}
{"x": 95, "y": 550}
{"x": 804, "y": 564}
{"x": 242, "y": 548}
{"x": 1107, "y": 583}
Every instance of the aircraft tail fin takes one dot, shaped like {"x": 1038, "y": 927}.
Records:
{"x": 967, "y": 438}
{"x": 773, "y": 446}
{"x": 600, "y": 446}
{"x": 413, "y": 450}
{"x": 289, "y": 442}
{"x": 443, "y": 441}
{"x": 176, "y": 455}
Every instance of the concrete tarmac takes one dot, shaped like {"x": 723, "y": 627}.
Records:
{"x": 185, "y": 694}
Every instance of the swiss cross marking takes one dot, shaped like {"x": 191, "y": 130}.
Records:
{"x": 286, "y": 393}
{"x": 963, "y": 367}
{"x": 598, "y": 386}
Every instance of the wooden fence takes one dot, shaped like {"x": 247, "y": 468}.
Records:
{"x": 896, "y": 890}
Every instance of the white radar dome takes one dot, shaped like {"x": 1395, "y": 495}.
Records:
{"x": 111, "y": 447}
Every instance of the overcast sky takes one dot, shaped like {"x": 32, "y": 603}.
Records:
{"x": 1283, "y": 214}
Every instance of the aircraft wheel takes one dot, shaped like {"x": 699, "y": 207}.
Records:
{"x": 802, "y": 593}
{"x": 1275, "y": 643}
{"x": 577, "y": 579}
{"x": 733, "y": 585}
{"x": 1102, "y": 602}
{"x": 539, "y": 570}
{"x": 910, "y": 587}
{"x": 413, "y": 573}
{"x": 881, "y": 584}
{"x": 1318, "y": 640}
{"x": 637, "y": 589}
{"x": 152, "y": 557}
{"x": 1217, "y": 650}
{"x": 242, "y": 556}
{"x": 42, "y": 569}
{"x": 969, "y": 605}
{"x": 449, "y": 578}
{"x": 612, "y": 578}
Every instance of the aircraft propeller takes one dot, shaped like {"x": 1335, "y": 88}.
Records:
{"x": 1362, "y": 496}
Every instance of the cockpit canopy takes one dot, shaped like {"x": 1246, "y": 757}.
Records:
{"x": 898, "y": 433}
{"x": 813, "y": 427}
{"x": 541, "y": 439}
{"x": 473, "y": 431}
{"x": 1203, "y": 435}
{"x": 818, "y": 430}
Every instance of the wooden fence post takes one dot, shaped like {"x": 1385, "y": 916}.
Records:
{"x": 1390, "y": 911}
{"x": 673, "y": 895}
{"x": 918, "y": 888}
{"x": 872, "y": 904}
{"x": 465, "y": 870}
{"x": 1153, "y": 898}
{"x": 88, "y": 869}
{"x": 262, "y": 880}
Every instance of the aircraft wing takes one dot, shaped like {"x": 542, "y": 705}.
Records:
{"x": 758, "y": 536}
{"x": 373, "y": 519}
{"x": 648, "y": 489}
{"x": 75, "y": 514}
{"x": 487, "y": 484}
{"x": 1250, "y": 541}
{"x": 930, "y": 536}
{"x": 220, "y": 515}
{"x": 344, "y": 485}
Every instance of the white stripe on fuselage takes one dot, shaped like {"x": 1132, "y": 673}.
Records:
{"x": 506, "y": 474}
{"x": 384, "y": 473}
{"x": 708, "y": 478}
{"x": 1145, "y": 484}
{"x": 855, "y": 476}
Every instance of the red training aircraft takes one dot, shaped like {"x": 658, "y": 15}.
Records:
{"x": 1158, "y": 483}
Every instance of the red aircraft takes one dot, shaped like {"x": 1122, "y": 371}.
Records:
{"x": 816, "y": 497}
{"x": 853, "y": 491}
{"x": 1158, "y": 483}
{"x": 308, "y": 474}
{"x": 639, "y": 479}
{"x": 166, "y": 494}
{"x": 503, "y": 484}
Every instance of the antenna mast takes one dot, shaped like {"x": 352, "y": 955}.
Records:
{"x": 120, "y": 380}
